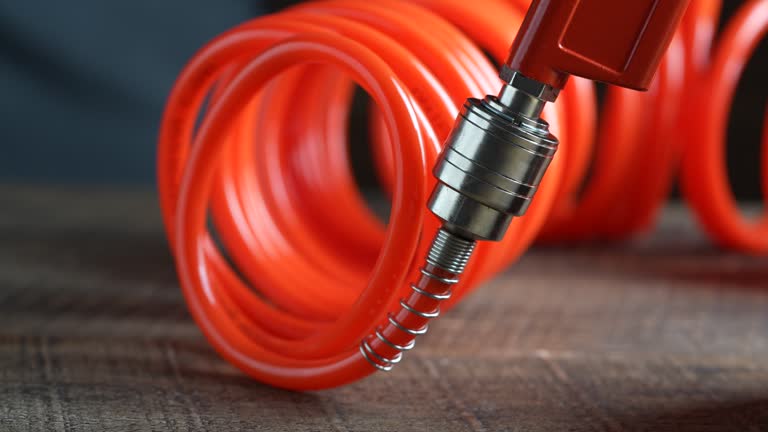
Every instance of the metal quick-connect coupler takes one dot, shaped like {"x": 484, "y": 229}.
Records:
{"x": 494, "y": 160}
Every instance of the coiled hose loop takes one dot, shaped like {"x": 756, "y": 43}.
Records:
{"x": 304, "y": 275}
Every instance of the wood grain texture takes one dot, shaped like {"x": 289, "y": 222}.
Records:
{"x": 663, "y": 334}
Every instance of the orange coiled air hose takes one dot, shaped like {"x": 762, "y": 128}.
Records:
{"x": 309, "y": 271}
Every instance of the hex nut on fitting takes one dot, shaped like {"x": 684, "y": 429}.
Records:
{"x": 534, "y": 88}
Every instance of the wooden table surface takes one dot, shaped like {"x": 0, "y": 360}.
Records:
{"x": 664, "y": 334}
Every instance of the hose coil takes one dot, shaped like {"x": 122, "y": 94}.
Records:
{"x": 303, "y": 271}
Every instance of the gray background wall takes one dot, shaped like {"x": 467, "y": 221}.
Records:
{"x": 82, "y": 85}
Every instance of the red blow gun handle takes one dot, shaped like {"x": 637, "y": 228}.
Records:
{"x": 619, "y": 42}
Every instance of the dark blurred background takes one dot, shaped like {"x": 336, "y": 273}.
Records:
{"x": 83, "y": 82}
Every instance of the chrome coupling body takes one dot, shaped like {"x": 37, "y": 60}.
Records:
{"x": 494, "y": 160}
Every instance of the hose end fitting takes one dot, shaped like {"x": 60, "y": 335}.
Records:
{"x": 494, "y": 160}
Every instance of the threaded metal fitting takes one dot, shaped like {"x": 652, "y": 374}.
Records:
{"x": 450, "y": 252}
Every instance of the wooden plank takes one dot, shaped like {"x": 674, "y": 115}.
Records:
{"x": 663, "y": 334}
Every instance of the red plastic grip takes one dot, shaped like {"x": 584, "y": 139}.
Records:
{"x": 617, "y": 42}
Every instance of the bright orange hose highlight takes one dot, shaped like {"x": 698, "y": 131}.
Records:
{"x": 268, "y": 166}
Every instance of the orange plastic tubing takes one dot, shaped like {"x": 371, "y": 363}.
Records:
{"x": 253, "y": 148}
